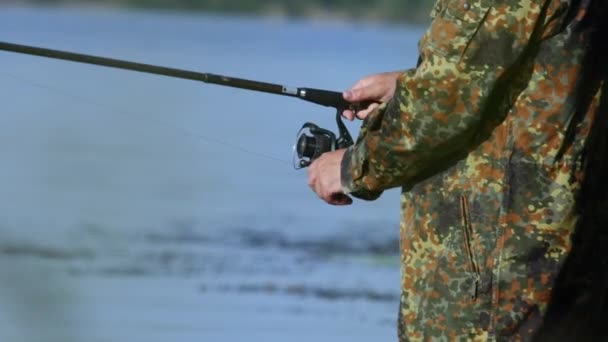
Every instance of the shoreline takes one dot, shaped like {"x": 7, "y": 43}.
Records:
{"x": 312, "y": 13}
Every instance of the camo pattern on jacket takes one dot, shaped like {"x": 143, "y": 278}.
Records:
{"x": 476, "y": 137}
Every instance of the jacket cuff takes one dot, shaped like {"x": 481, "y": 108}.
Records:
{"x": 346, "y": 174}
{"x": 351, "y": 177}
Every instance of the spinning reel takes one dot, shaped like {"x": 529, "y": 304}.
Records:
{"x": 312, "y": 141}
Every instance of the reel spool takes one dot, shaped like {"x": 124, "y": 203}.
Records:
{"x": 311, "y": 142}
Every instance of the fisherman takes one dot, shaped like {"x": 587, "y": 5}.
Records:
{"x": 486, "y": 137}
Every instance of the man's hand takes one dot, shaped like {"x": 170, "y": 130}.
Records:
{"x": 378, "y": 87}
{"x": 324, "y": 178}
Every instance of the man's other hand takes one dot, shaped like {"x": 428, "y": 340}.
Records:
{"x": 378, "y": 88}
{"x": 324, "y": 178}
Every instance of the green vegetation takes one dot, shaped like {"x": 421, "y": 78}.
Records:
{"x": 387, "y": 10}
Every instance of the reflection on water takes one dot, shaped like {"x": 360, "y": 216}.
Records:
{"x": 125, "y": 219}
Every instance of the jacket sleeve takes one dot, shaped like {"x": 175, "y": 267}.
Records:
{"x": 468, "y": 54}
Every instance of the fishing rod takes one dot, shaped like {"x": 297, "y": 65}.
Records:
{"x": 311, "y": 140}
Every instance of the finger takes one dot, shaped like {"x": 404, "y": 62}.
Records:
{"x": 374, "y": 91}
{"x": 362, "y": 114}
{"x": 371, "y": 91}
{"x": 339, "y": 199}
{"x": 348, "y": 114}
{"x": 314, "y": 179}
{"x": 356, "y": 94}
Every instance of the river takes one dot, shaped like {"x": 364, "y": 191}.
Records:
{"x": 144, "y": 208}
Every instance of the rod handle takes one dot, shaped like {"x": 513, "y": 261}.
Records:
{"x": 330, "y": 98}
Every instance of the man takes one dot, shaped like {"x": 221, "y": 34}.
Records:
{"x": 483, "y": 139}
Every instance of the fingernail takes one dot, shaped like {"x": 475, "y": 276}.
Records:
{"x": 348, "y": 94}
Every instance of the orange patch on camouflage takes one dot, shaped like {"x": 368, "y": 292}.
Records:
{"x": 435, "y": 295}
{"x": 535, "y": 217}
{"x": 444, "y": 277}
{"x": 513, "y": 218}
{"x": 488, "y": 172}
{"x": 581, "y": 14}
{"x": 507, "y": 233}
{"x": 410, "y": 318}
{"x": 523, "y": 114}
{"x": 459, "y": 108}
{"x": 489, "y": 262}
{"x": 524, "y": 141}
{"x": 515, "y": 287}
{"x": 544, "y": 87}
{"x": 441, "y": 117}
{"x": 530, "y": 286}
{"x": 407, "y": 281}
{"x": 544, "y": 279}
{"x": 543, "y": 296}
{"x": 565, "y": 79}
{"x": 529, "y": 229}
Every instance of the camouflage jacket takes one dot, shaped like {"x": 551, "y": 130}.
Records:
{"x": 482, "y": 139}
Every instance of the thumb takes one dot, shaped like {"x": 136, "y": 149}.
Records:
{"x": 369, "y": 92}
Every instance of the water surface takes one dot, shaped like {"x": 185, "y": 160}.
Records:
{"x": 140, "y": 207}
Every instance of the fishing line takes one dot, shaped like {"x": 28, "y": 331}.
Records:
{"x": 164, "y": 124}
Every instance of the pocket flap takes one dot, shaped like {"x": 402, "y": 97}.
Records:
{"x": 471, "y": 11}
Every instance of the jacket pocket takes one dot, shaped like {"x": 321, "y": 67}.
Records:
{"x": 468, "y": 247}
{"x": 454, "y": 25}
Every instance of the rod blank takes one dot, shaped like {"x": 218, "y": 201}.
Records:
{"x": 145, "y": 68}
{"x": 319, "y": 96}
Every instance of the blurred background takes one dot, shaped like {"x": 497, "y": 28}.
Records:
{"x": 144, "y": 208}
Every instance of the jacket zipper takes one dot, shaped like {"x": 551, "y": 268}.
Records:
{"x": 468, "y": 232}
